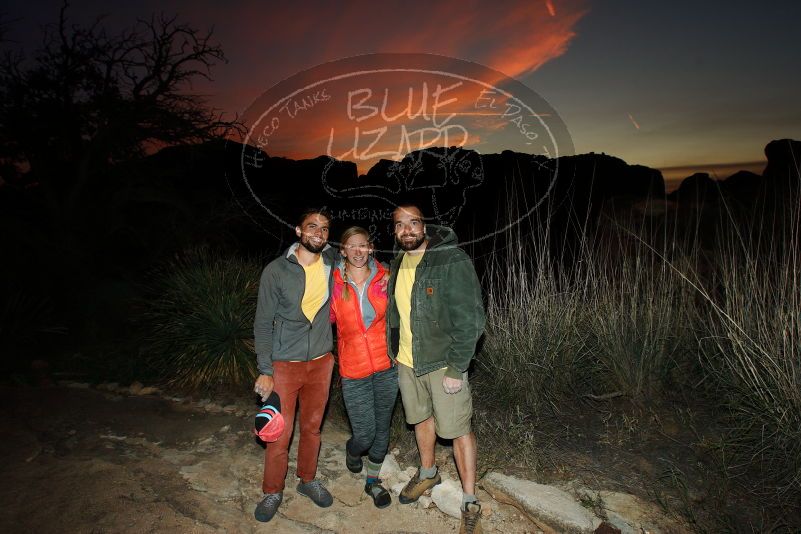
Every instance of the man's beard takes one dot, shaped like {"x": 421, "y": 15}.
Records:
{"x": 411, "y": 245}
{"x": 310, "y": 247}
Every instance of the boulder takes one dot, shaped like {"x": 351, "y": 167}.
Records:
{"x": 629, "y": 513}
{"x": 213, "y": 407}
{"x": 397, "y": 487}
{"x": 784, "y": 163}
{"x": 448, "y": 497}
{"x": 347, "y": 490}
{"x": 700, "y": 187}
{"x": 390, "y": 467}
{"x": 424, "y": 501}
{"x": 542, "y": 503}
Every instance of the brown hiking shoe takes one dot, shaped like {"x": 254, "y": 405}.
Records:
{"x": 417, "y": 487}
{"x": 471, "y": 519}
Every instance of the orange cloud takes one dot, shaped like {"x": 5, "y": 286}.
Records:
{"x": 532, "y": 38}
{"x": 513, "y": 38}
{"x": 367, "y": 117}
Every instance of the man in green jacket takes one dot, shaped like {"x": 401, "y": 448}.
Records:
{"x": 435, "y": 316}
{"x": 293, "y": 345}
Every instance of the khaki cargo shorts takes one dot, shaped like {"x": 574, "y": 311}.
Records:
{"x": 423, "y": 397}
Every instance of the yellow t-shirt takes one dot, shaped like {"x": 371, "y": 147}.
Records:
{"x": 403, "y": 299}
{"x": 316, "y": 289}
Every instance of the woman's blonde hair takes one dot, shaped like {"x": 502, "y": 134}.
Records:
{"x": 347, "y": 234}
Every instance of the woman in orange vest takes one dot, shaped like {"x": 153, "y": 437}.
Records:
{"x": 369, "y": 377}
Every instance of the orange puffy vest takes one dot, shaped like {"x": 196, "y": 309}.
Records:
{"x": 362, "y": 351}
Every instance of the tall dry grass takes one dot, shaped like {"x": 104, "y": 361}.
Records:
{"x": 752, "y": 352}
{"x": 645, "y": 309}
{"x": 613, "y": 322}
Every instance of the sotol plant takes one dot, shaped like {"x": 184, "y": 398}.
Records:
{"x": 200, "y": 321}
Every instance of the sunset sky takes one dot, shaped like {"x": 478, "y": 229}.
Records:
{"x": 680, "y": 86}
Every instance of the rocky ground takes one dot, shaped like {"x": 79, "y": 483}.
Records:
{"x": 129, "y": 459}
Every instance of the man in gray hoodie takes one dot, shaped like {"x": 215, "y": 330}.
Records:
{"x": 293, "y": 346}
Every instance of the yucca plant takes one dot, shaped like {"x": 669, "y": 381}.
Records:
{"x": 199, "y": 321}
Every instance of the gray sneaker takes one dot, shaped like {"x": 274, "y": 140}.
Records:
{"x": 268, "y": 506}
{"x": 315, "y": 491}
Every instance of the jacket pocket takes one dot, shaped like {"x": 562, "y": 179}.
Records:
{"x": 430, "y": 296}
{"x": 292, "y": 340}
{"x": 278, "y": 331}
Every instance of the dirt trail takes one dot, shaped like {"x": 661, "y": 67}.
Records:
{"x": 83, "y": 460}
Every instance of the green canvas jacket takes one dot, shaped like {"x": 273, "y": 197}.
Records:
{"x": 447, "y": 316}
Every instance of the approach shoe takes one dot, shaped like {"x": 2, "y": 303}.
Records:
{"x": 417, "y": 486}
{"x": 268, "y": 506}
{"x": 353, "y": 463}
{"x": 315, "y": 491}
{"x": 471, "y": 519}
{"x": 381, "y": 497}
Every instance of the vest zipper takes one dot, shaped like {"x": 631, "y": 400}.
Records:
{"x": 361, "y": 323}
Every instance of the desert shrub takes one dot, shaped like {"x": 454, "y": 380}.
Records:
{"x": 532, "y": 349}
{"x": 752, "y": 352}
{"x": 615, "y": 322}
{"x": 607, "y": 325}
{"x": 637, "y": 313}
{"x": 26, "y": 321}
{"x": 199, "y": 321}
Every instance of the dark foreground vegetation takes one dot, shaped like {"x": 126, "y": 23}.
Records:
{"x": 645, "y": 341}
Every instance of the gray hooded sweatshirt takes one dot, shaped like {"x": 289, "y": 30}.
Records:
{"x": 282, "y": 332}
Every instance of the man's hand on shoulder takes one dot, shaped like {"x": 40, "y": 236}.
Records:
{"x": 384, "y": 282}
{"x": 264, "y": 386}
{"x": 451, "y": 385}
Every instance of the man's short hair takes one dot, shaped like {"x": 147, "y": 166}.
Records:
{"x": 407, "y": 205}
{"x": 314, "y": 211}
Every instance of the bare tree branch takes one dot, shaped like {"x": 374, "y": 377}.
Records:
{"x": 88, "y": 98}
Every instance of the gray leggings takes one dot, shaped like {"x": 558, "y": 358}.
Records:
{"x": 370, "y": 402}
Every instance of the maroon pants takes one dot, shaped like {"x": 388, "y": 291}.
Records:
{"x": 307, "y": 382}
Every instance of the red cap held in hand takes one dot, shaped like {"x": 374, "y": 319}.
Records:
{"x": 269, "y": 421}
